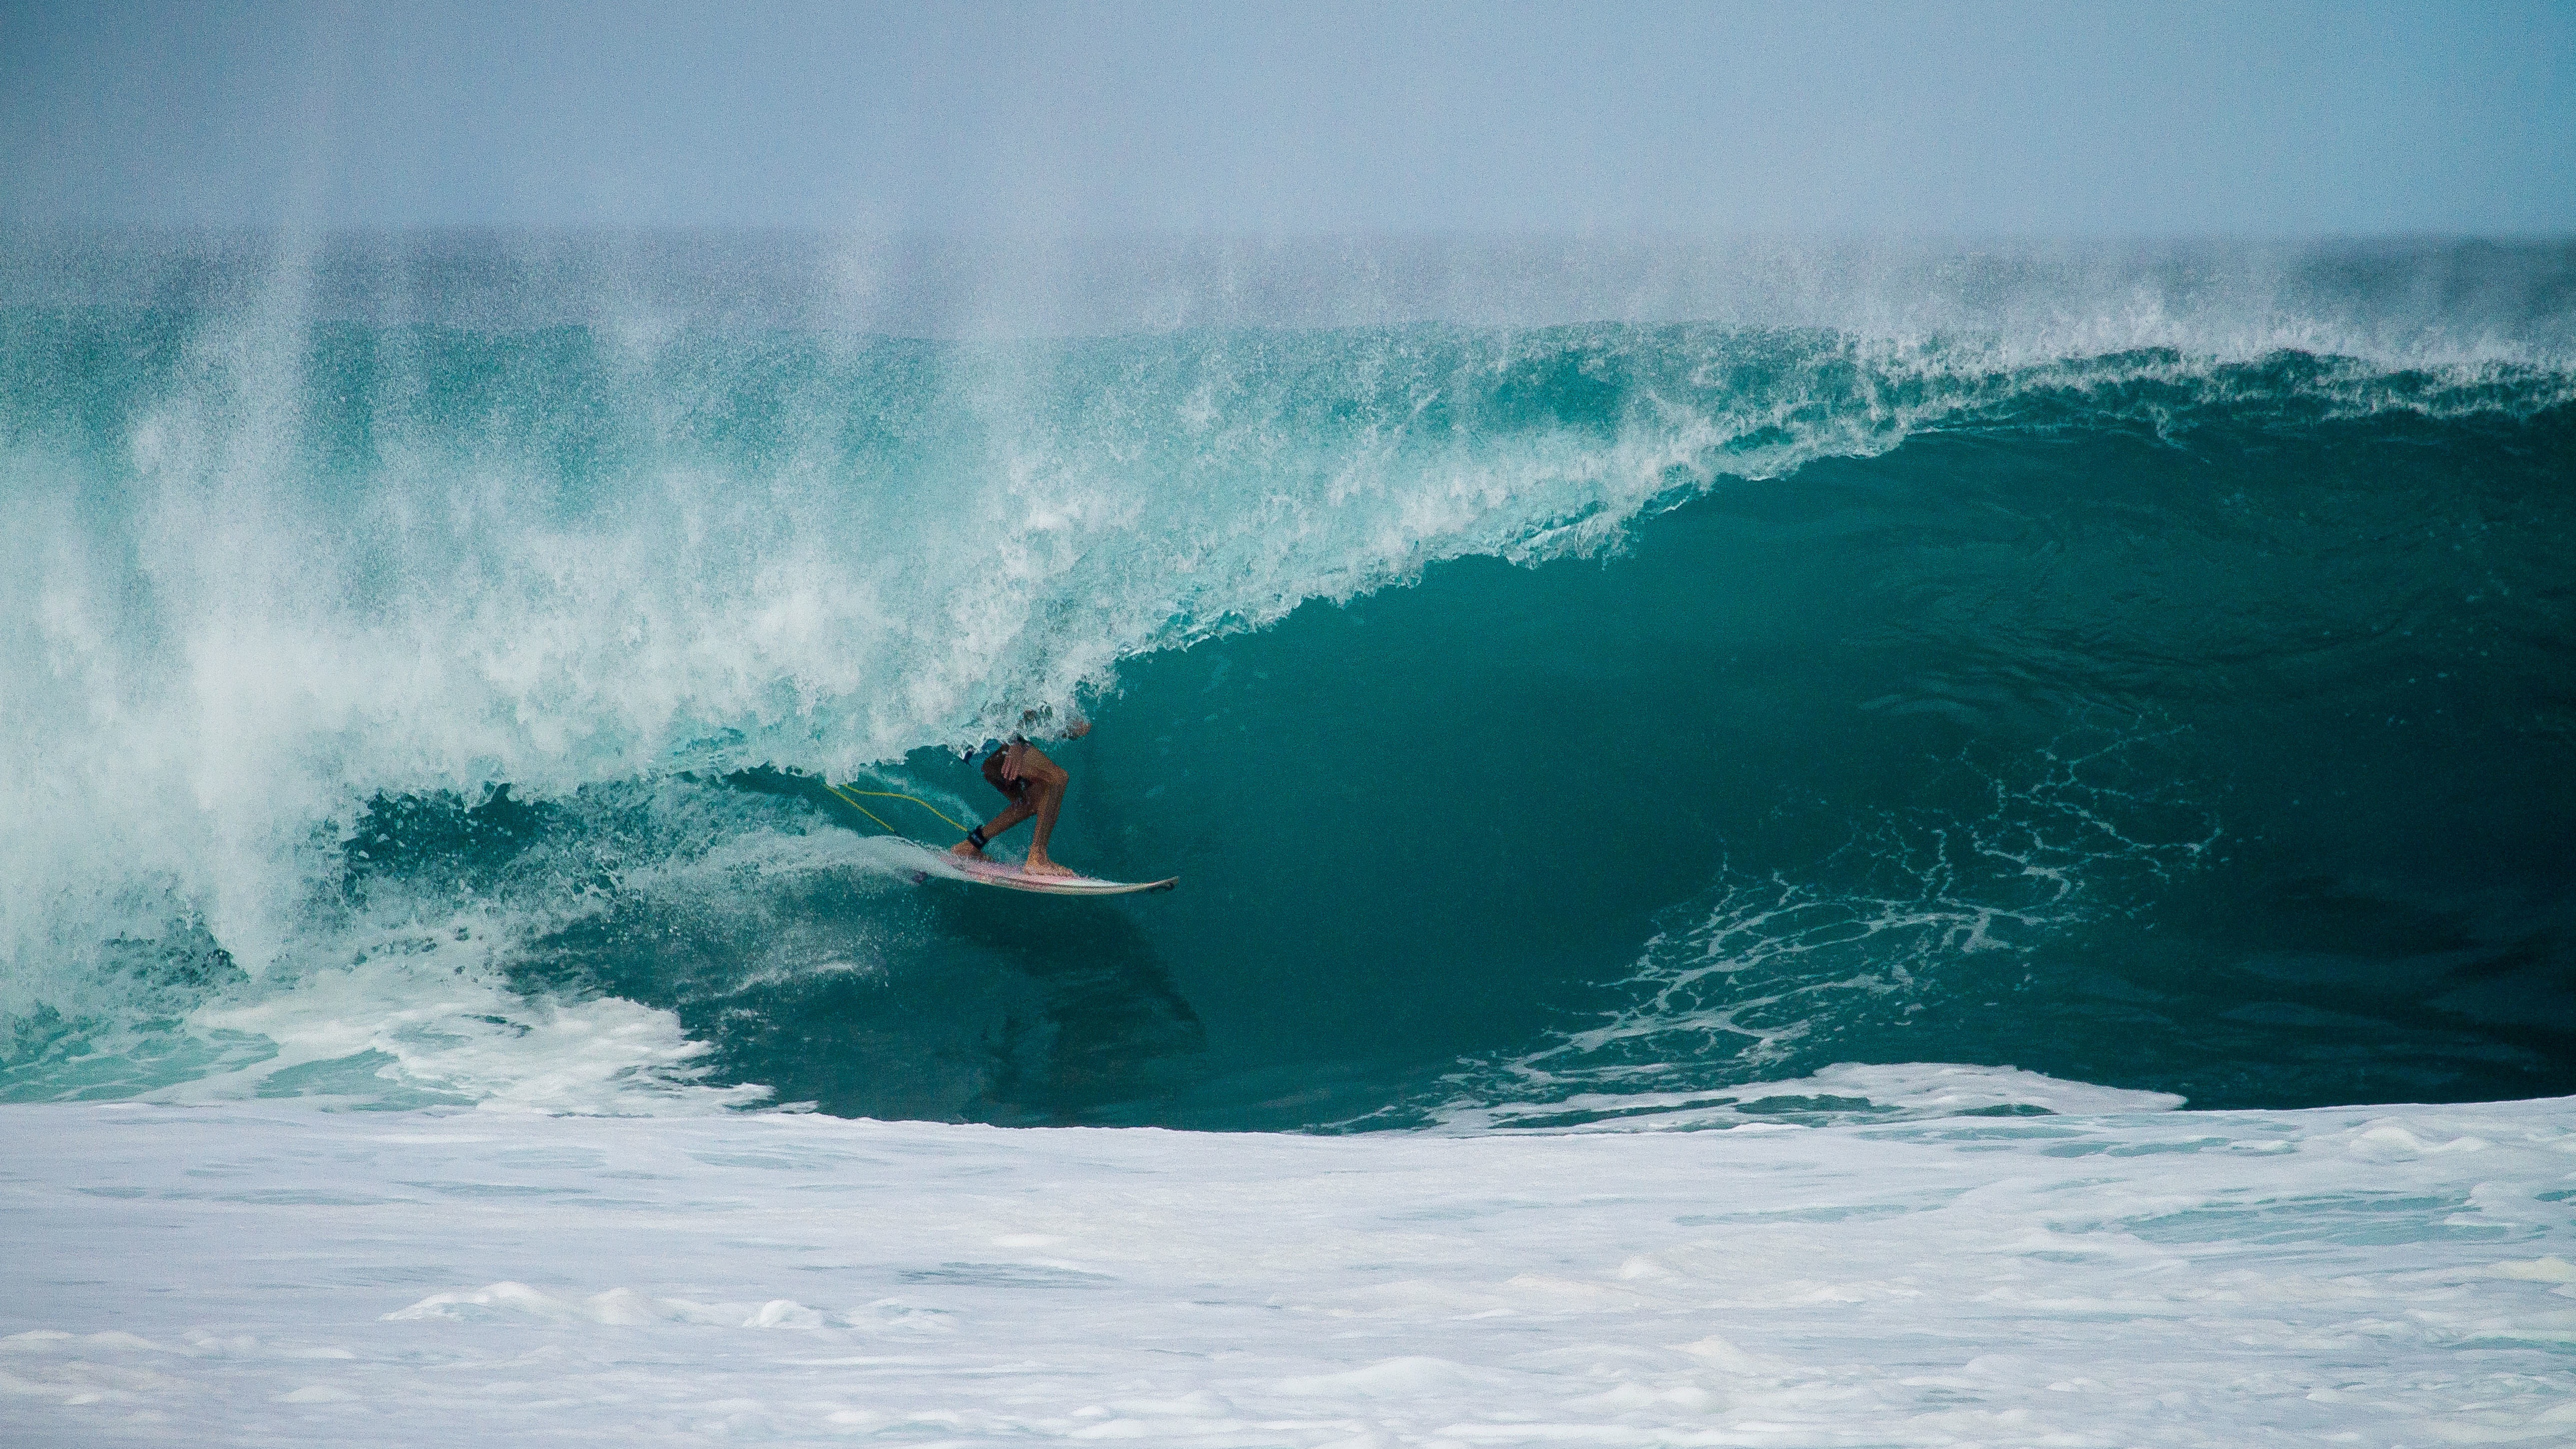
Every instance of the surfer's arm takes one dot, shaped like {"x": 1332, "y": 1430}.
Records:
{"x": 1028, "y": 762}
{"x": 1015, "y": 756}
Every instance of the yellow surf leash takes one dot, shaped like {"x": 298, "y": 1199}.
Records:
{"x": 845, "y": 794}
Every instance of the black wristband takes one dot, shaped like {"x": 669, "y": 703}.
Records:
{"x": 975, "y": 838}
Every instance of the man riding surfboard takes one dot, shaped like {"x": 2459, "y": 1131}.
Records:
{"x": 1034, "y": 785}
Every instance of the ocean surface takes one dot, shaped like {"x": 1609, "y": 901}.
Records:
{"x": 2124, "y": 1276}
{"x": 1576, "y": 684}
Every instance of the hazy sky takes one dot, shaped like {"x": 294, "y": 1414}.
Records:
{"x": 2070, "y": 118}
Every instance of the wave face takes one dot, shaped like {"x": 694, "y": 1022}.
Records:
{"x": 419, "y": 661}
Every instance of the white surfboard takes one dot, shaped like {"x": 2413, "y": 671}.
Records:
{"x": 1010, "y": 877}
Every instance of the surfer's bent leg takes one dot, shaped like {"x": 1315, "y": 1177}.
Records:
{"x": 1046, "y": 781}
{"x": 1020, "y": 808}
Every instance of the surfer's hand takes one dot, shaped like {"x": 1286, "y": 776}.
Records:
{"x": 1077, "y": 729}
{"x": 1011, "y": 761}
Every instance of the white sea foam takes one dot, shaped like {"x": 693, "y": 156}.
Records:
{"x": 2369, "y": 1276}
{"x": 406, "y": 1029}
{"x": 1846, "y": 1091}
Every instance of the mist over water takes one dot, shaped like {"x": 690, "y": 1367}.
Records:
{"x": 1572, "y": 680}
{"x": 2385, "y": 301}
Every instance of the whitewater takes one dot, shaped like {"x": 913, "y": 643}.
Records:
{"x": 1779, "y": 843}
{"x": 2124, "y": 1276}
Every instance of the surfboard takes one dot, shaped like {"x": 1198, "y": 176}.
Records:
{"x": 1011, "y": 877}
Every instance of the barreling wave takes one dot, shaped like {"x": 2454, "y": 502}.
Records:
{"x": 374, "y": 558}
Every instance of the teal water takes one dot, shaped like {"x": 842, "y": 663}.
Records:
{"x": 1548, "y": 721}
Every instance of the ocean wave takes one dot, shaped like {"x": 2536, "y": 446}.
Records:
{"x": 284, "y": 558}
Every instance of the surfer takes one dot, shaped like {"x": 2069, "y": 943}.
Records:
{"x": 1034, "y": 785}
